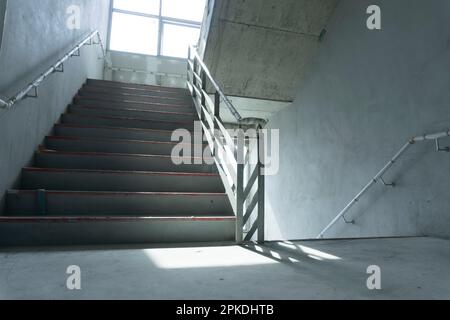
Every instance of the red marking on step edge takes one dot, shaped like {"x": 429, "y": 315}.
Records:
{"x": 56, "y": 219}
{"x": 119, "y": 194}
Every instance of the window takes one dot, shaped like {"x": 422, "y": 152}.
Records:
{"x": 156, "y": 27}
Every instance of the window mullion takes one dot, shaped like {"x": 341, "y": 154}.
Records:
{"x": 160, "y": 31}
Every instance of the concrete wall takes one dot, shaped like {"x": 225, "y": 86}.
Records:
{"x": 35, "y": 36}
{"x": 2, "y": 19}
{"x": 365, "y": 94}
{"x": 144, "y": 69}
{"x": 261, "y": 48}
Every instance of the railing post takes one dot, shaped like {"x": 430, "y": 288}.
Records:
{"x": 216, "y": 118}
{"x": 203, "y": 78}
{"x": 194, "y": 78}
{"x": 261, "y": 185}
{"x": 189, "y": 66}
{"x": 240, "y": 188}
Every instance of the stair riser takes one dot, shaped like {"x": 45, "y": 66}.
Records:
{"x": 104, "y": 112}
{"x": 113, "y": 84}
{"x": 124, "y": 123}
{"x": 112, "y": 162}
{"x": 79, "y": 204}
{"x": 125, "y": 97}
{"x": 108, "y": 133}
{"x": 128, "y": 147}
{"x": 158, "y": 107}
{"x": 129, "y": 91}
{"x": 119, "y": 182}
{"x": 110, "y": 232}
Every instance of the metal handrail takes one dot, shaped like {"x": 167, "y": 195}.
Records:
{"x": 231, "y": 158}
{"x": 379, "y": 176}
{"x": 57, "y": 67}
{"x": 215, "y": 84}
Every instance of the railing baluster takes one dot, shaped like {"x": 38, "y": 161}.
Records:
{"x": 216, "y": 119}
{"x": 240, "y": 204}
{"x": 261, "y": 185}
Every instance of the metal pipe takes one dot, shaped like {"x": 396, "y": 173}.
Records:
{"x": 380, "y": 174}
{"x": 22, "y": 94}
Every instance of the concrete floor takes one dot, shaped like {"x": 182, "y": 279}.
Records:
{"x": 412, "y": 268}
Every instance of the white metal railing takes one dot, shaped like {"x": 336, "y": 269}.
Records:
{"x": 233, "y": 152}
{"x": 57, "y": 67}
{"x": 379, "y": 176}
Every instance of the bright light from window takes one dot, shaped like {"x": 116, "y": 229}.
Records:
{"x": 141, "y": 6}
{"x": 177, "y": 40}
{"x": 141, "y": 26}
{"x": 184, "y": 9}
{"x": 131, "y": 33}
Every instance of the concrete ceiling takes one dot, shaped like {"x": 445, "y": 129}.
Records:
{"x": 260, "y": 48}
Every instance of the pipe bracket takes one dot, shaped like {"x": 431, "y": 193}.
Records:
{"x": 441, "y": 149}
{"x": 392, "y": 184}
{"x": 348, "y": 221}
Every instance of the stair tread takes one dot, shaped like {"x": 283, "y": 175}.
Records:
{"x": 107, "y": 83}
{"x": 135, "y": 98}
{"x": 127, "y": 118}
{"x": 122, "y": 102}
{"x": 133, "y": 110}
{"x": 134, "y": 94}
{"x": 80, "y": 126}
{"x": 155, "y": 173}
{"x": 105, "y": 154}
{"x": 71, "y": 138}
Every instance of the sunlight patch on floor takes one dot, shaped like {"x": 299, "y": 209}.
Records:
{"x": 186, "y": 258}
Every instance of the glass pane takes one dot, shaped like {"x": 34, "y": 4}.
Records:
{"x": 141, "y": 6}
{"x": 177, "y": 39}
{"x": 184, "y": 9}
{"x": 134, "y": 34}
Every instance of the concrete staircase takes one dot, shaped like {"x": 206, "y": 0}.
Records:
{"x": 105, "y": 176}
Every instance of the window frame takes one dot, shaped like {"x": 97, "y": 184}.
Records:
{"x": 161, "y": 19}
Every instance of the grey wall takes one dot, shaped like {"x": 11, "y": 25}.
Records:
{"x": 144, "y": 69}
{"x": 365, "y": 94}
{"x": 35, "y": 36}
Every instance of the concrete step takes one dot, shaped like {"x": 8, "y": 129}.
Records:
{"x": 64, "y": 231}
{"x": 145, "y": 204}
{"x": 111, "y": 96}
{"x": 125, "y": 181}
{"x": 132, "y": 113}
{"x": 126, "y": 85}
{"x": 125, "y": 122}
{"x": 120, "y": 162}
{"x": 137, "y": 91}
{"x": 129, "y": 104}
{"x": 77, "y": 144}
{"x": 69, "y": 130}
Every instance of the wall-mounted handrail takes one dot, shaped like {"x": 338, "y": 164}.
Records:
{"x": 243, "y": 179}
{"x": 57, "y": 67}
{"x": 379, "y": 176}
